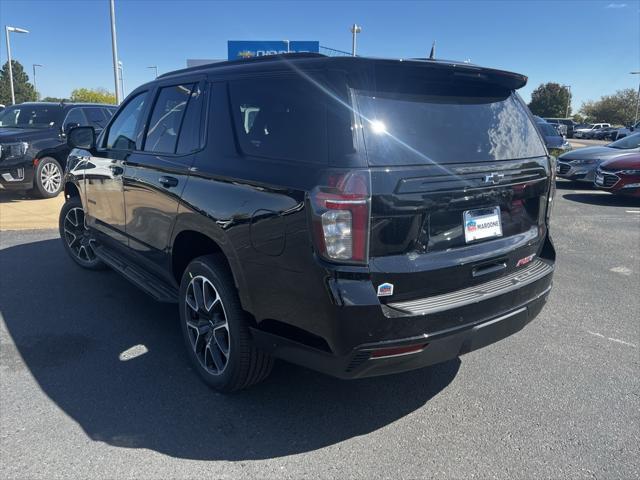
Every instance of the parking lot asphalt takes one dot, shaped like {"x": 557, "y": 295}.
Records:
{"x": 95, "y": 384}
{"x": 19, "y": 211}
{"x": 584, "y": 142}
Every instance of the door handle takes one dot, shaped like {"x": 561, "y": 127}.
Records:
{"x": 168, "y": 182}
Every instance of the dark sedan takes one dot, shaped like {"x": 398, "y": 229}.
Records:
{"x": 580, "y": 165}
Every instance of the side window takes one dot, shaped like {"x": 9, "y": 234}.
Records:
{"x": 122, "y": 133}
{"x": 96, "y": 117}
{"x": 75, "y": 116}
{"x": 166, "y": 119}
{"x": 283, "y": 118}
{"x": 192, "y": 125}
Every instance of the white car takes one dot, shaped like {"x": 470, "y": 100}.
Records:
{"x": 580, "y": 132}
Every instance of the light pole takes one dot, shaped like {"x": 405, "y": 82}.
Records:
{"x": 355, "y": 30}
{"x": 121, "y": 69}
{"x": 114, "y": 51}
{"x": 35, "y": 85}
{"x": 155, "y": 69}
{"x": 566, "y": 113}
{"x": 8, "y": 29}
{"x": 638, "y": 99}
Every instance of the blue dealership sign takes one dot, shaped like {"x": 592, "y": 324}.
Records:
{"x": 238, "y": 49}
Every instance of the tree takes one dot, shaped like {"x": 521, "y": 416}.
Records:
{"x": 550, "y": 100}
{"x": 578, "y": 118}
{"x": 23, "y": 90}
{"x": 54, "y": 99}
{"x": 617, "y": 109}
{"x": 93, "y": 95}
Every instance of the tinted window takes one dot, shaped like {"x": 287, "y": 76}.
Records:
{"x": 109, "y": 112}
{"x": 410, "y": 129}
{"x": 190, "y": 132}
{"x": 627, "y": 143}
{"x": 96, "y": 117}
{"x": 280, "y": 118}
{"x": 166, "y": 119}
{"x": 31, "y": 116}
{"x": 76, "y": 116}
{"x": 548, "y": 130}
{"x": 122, "y": 133}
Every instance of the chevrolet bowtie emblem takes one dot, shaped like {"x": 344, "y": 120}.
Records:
{"x": 493, "y": 178}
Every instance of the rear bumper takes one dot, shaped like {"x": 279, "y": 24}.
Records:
{"x": 438, "y": 346}
{"x": 361, "y": 327}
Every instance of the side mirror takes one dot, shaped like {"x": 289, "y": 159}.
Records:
{"x": 82, "y": 137}
{"x": 67, "y": 128}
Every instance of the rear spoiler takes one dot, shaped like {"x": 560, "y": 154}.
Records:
{"x": 447, "y": 70}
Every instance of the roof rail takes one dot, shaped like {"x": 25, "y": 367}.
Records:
{"x": 262, "y": 58}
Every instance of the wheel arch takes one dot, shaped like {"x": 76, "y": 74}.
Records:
{"x": 193, "y": 238}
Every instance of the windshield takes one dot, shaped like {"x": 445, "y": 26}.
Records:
{"x": 30, "y": 116}
{"x": 548, "y": 130}
{"x": 414, "y": 129}
{"x": 627, "y": 143}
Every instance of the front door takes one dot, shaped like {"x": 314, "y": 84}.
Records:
{"x": 105, "y": 211}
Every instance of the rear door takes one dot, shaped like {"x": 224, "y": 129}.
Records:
{"x": 459, "y": 179}
{"x": 155, "y": 176}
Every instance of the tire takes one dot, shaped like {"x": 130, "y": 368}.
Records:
{"x": 215, "y": 328}
{"x": 47, "y": 180}
{"x": 76, "y": 239}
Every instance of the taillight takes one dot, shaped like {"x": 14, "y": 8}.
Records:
{"x": 341, "y": 211}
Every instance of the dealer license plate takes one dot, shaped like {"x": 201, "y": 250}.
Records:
{"x": 482, "y": 223}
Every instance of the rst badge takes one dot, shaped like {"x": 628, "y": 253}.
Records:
{"x": 525, "y": 260}
{"x": 385, "y": 289}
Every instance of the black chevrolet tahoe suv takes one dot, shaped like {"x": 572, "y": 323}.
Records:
{"x": 326, "y": 211}
{"x": 33, "y": 146}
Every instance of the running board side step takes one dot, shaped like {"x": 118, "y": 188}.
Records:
{"x": 484, "y": 291}
{"x": 153, "y": 286}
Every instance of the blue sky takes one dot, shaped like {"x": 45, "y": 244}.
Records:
{"x": 591, "y": 45}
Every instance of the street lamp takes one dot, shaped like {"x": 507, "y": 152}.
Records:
{"x": 114, "y": 51}
{"x": 568, "y": 87}
{"x": 35, "y": 85}
{"x": 155, "y": 68}
{"x": 121, "y": 78}
{"x": 8, "y": 29}
{"x": 355, "y": 30}
{"x": 638, "y": 99}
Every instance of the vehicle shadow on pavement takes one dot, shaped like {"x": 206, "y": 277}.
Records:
{"x": 8, "y": 197}
{"x": 601, "y": 199}
{"x": 70, "y": 328}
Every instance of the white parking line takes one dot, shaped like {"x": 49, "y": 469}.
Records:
{"x": 617, "y": 340}
{"x": 622, "y": 342}
{"x": 632, "y": 211}
{"x": 621, "y": 270}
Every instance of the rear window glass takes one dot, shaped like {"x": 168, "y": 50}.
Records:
{"x": 280, "y": 118}
{"x": 414, "y": 129}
